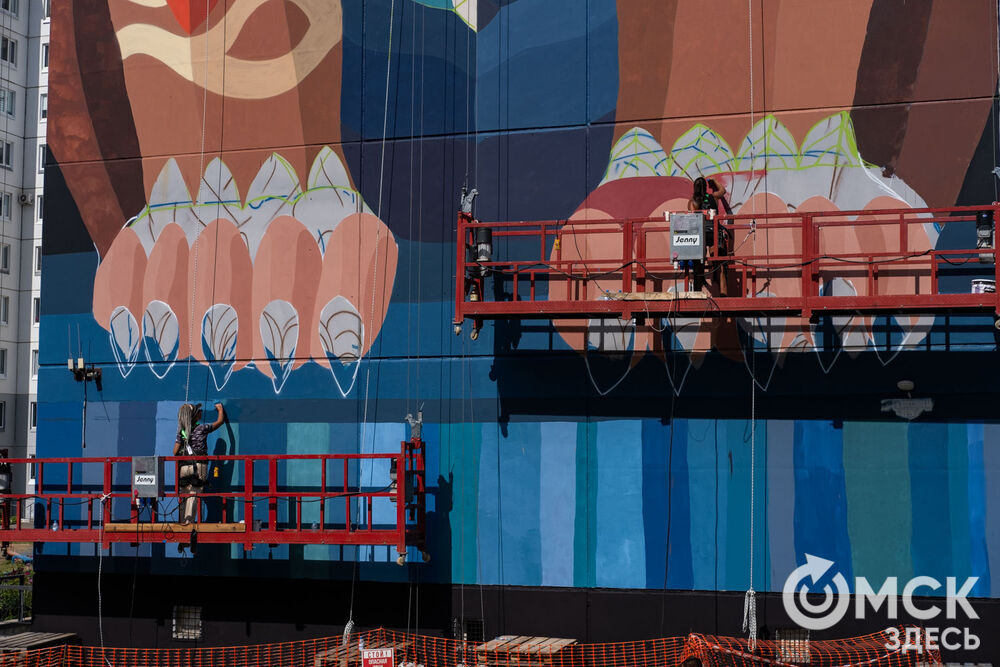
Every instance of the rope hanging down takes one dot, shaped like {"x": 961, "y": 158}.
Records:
{"x": 750, "y": 599}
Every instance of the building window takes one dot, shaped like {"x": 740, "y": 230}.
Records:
{"x": 31, "y": 471}
{"x": 40, "y": 206}
{"x": 43, "y": 106}
{"x": 5, "y": 205}
{"x": 187, "y": 622}
{"x": 34, "y": 363}
{"x": 46, "y": 8}
{"x": 7, "y": 155}
{"x": 38, "y": 259}
{"x": 8, "y": 50}
{"x": 36, "y": 310}
{"x": 45, "y": 55}
{"x": 4, "y": 258}
{"x": 9, "y": 6}
{"x": 3, "y": 415}
{"x": 4, "y": 309}
{"x": 8, "y": 101}
{"x": 3, "y": 361}
{"x": 33, "y": 415}
{"x": 43, "y": 151}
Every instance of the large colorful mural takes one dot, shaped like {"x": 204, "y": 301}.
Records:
{"x": 254, "y": 200}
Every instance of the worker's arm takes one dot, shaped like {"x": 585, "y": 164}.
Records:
{"x": 720, "y": 190}
{"x": 178, "y": 445}
{"x": 221, "y": 418}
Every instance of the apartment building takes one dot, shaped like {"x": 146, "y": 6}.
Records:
{"x": 24, "y": 59}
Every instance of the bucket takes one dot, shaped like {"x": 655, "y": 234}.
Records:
{"x": 984, "y": 286}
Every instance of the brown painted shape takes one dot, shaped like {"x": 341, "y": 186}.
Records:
{"x": 887, "y": 73}
{"x": 645, "y": 44}
{"x": 166, "y": 279}
{"x": 226, "y": 276}
{"x": 287, "y": 266}
{"x": 957, "y": 72}
{"x": 94, "y": 122}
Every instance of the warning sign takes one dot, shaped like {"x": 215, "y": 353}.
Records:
{"x": 376, "y": 657}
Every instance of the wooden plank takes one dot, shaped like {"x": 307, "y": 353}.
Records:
{"x": 656, "y": 296}
{"x": 496, "y": 642}
{"x": 158, "y": 527}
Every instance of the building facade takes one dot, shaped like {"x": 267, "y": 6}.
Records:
{"x": 256, "y": 203}
{"x": 24, "y": 56}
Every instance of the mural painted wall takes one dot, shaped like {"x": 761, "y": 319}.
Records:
{"x": 254, "y": 201}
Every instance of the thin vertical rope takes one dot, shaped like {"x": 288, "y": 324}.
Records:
{"x": 750, "y": 600}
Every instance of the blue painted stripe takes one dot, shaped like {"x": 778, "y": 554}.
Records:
{"x": 519, "y": 499}
{"x": 820, "y": 496}
{"x": 558, "y": 502}
{"x": 488, "y": 529}
{"x": 781, "y": 504}
{"x": 621, "y": 557}
{"x": 655, "y": 510}
{"x": 931, "y": 511}
{"x": 680, "y": 574}
{"x": 991, "y": 470}
{"x": 702, "y": 466}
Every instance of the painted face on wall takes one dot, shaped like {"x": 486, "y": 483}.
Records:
{"x": 250, "y": 235}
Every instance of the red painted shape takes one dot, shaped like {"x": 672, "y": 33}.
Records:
{"x": 191, "y": 13}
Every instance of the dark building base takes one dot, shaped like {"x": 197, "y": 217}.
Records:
{"x": 137, "y": 612}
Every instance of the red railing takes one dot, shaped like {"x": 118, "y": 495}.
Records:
{"x": 93, "y": 500}
{"x": 623, "y": 268}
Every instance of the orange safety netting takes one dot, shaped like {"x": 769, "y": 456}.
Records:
{"x": 422, "y": 651}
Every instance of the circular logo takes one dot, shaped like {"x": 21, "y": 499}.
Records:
{"x": 811, "y": 616}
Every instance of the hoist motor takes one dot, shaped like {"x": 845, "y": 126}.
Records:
{"x": 984, "y": 235}
{"x": 687, "y": 236}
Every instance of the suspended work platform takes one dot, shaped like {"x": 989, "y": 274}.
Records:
{"x": 807, "y": 264}
{"x": 334, "y": 499}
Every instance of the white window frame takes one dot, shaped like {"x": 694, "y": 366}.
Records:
{"x": 43, "y": 57}
{"x": 36, "y": 310}
{"x": 43, "y": 107}
{"x": 4, "y": 310}
{"x": 11, "y": 7}
{"x": 3, "y": 415}
{"x": 8, "y": 55}
{"x": 32, "y": 415}
{"x": 43, "y": 152}
{"x": 6, "y": 205}
{"x": 46, "y": 9}
{"x": 7, "y": 154}
{"x": 34, "y": 363}
{"x": 5, "y": 258}
{"x": 38, "y": 259}
{"x": 9, "y": 101}
{"x": 3, "y": 362}
{"x": 32, "y": 471}
{"x": 40, "y": 207}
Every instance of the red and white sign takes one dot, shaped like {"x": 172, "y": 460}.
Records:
{"x": 377, "y": 657}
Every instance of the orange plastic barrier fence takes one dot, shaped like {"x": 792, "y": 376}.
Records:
{"x": 422, "y": 651}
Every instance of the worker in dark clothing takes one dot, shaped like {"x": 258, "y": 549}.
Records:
{"x": 192, "y": 440}
{"x": 705, "y": 196}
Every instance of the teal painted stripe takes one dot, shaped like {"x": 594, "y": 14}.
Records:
{"x": 958, "y": 504}
{"x": 621, "y": 549}
{"x": 702, "y": 464}
{"x": 586, "y": 500}
{"x": 735, "y": 444}
{"x": 979, "y": 565}
{"x": 879, "y": 509}
{"x": 460, "y": 449}
{"x": 312, "y": 438}
{"x": 488, "y": 517}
